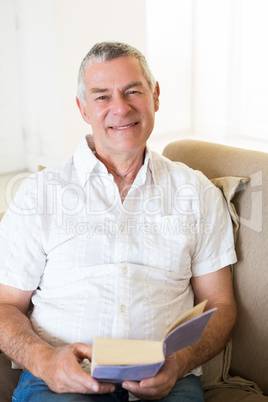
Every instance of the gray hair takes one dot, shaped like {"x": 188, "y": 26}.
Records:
{"x": 106, "y": 51}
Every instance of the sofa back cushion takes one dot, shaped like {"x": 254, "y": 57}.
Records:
{"x": 250, "y": 352}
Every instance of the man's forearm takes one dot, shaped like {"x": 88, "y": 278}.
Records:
{"x": 18, "y": 339}
{"x": 213, "y": 340}
{"x": 58, "y": 367}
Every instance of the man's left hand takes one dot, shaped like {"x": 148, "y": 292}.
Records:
{"x": 159, "y": 386}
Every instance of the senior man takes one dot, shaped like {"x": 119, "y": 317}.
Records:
{"x": 116, "y": 242}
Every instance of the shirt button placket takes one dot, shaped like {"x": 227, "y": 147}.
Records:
{"x": 123, "y": 308}
{"x": 123, "y": 302}
{"x": 122, "y": 227}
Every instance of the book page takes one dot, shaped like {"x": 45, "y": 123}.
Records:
{"x": 108, "y": 351}
{"x": 194, "y": 312}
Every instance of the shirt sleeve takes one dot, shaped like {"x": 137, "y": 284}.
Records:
{"x": 215, "y": 240}
{"x": 22, "y": 257}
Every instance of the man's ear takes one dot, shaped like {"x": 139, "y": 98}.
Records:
{"x": 156, "y": 96}
{"x": 82, "y": 109}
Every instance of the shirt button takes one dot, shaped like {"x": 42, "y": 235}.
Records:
{"x": 123, "y": 308}
{"x": 124, "y": 270}
{"x": 122, "y": 227}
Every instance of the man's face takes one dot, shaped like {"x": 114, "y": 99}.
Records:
{"x": 120, "y": 106}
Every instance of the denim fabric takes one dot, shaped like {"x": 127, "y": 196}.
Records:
{"x": 32, "y": 389}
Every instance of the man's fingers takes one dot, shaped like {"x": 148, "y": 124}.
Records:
{"x": 156, "y": 387}
{"x": 65, "y": 374}
{"x": 82, "y": 351}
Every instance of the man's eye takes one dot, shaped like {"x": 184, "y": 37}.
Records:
{"x": 102, "y": 97}
{"x": 133, "y": 92}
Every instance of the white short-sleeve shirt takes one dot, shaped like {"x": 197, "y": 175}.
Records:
{"x": 100, "y": 267}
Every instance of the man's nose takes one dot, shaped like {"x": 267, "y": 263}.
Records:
{"x": 120, "y": 105}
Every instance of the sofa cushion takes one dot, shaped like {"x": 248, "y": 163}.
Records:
{"x": 250, "y": 274}
{"x": 230, "y": 186}
{"x": 8, "y": 378}
{"x": 215, "y": 371}
{"x": 233, "y": 395}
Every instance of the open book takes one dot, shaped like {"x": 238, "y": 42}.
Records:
{"x": 116, "y": 360}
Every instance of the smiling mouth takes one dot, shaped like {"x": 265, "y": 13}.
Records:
{"x": 123, "y": 127}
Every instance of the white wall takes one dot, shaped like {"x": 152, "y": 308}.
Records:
{"x": 211, "y": 67}
{"x": 12, "y": 152}
{"x": 230, "y": 72}
{"x": 169, "y": 33}
{"x": 208, "y": 55}
{"x": 39, "y": 73}
{"x": 211, "y": 60}
{"x": 251, "y": 95}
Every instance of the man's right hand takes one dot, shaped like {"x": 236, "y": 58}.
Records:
{"x": 61, "y": 370}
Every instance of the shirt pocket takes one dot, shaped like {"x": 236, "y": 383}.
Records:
{"x": 169, "y": 243}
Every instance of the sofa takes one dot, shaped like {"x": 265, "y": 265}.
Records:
{"x": 240, "y": 371}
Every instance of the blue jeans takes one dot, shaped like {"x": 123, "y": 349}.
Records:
{"x": 32, "y": 389}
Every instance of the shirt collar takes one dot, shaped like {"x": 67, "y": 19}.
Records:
{"x": 86, "y": 162}
{"x": 150, "y": 158}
